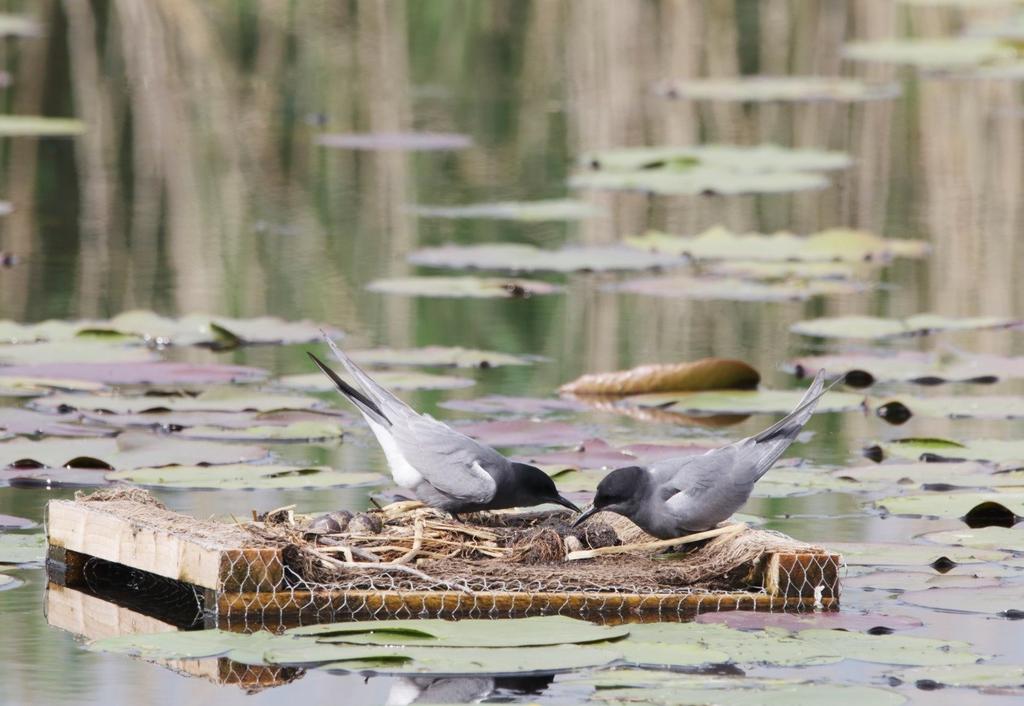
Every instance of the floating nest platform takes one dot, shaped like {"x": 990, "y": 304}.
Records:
{"x": 408, "y": 561}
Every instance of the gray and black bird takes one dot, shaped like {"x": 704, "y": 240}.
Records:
{"x": 686, "y": 494}
{"x": 445, "y": 469}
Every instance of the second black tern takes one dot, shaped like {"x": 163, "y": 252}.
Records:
{"x": 685, "y": 494}
{"x": 442, "y": 467}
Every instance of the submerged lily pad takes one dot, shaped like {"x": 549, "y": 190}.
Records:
{"x": 126, "y": 451}
{"x": 1004, "y": 538}
{"x": 763, "y": 89}
{"x": 703, "y": 374}
{"x": 395, "y": 141}
{"x": 993, "y": 600}
{"x": 940, "y": 53}
{"x": 872, "y": 327}
{"x": 720, "y": 243}
{"x": 463, "y": 287}
{"x": 39, "y": 126}
{"x": 735, "y": 288}
{"x": 239, "y": 476}
{"x": 391, "y": 379}
{"x": 518, "y": 257}
{"x": 436, "y": 356}
{"x": 518, "y": 632}
{"x": 965, "y": 675}
{"x": 891, "y": 554}
{"x": 225, "y": 399}
{"x": 530, "y": 211}
{"x": 745, "y": 401}
{"x": 22, "y": 548}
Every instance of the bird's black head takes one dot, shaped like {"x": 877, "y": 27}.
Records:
{"x": 532, "y": 486}
{"x": 619, "y": 491}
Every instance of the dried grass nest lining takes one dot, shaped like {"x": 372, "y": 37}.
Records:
{"x": 418, "y": 548}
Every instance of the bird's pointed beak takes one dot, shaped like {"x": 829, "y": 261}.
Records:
{"x": 586, "y": 516}
{"x": 559, "y": 500}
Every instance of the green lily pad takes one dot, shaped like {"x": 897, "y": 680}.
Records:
{"x": 891, "y": 554}
{"x": 22, "y": 548}
{"x": 760, "y": 159}
{"x": 891, "y": 649}
{"x": 962, "y": 406}
{"x": 941, "y": 53}
{"x": 222, "y": 399}
{"x": 698, "y": 181}
{"x": 966, "y": 675}
{"x": 307, "y": 430}
{"x": 134, "y": 450}
{"x": 39, "y": 126}
{"x": 970, "y": 576}
{"x": 744, "y": 401}
{"x": 720, "y": 243}
{"x": 391, "y": 379}
{"x": 914, "y": 366}
{"x": 436, "y": 356}
{"x": 873, "y": 328}
{"x": 995, "y": 450}
{"x": 969, "y": 600}
{"x": 194, "y": 644}
{"x": 7, "y": 582}
{"x": 757, "y": 694}
{"x": 517, "y": 257}
{"x": 70, "y": 351}
{"x": 804, "y": 480}
{"x": 781, "y": 271}
{"x": 765, "y": 89}
{"x": 971, "y": 474}
{"x": 1005, "y": 538}
{"x": 951, "y": 505}
{"x": 518, "y": 632}
{"x": 24, "y": 421}
{"x": 163, "y": 372}
{"x": 11, "y": 386}
{"x": 239, "y": 476}
{"x": 463, "y": 287}
{"x": 736, "y": 289}
{"x": 529, "y": 211}
{"x": 670, "y": 656}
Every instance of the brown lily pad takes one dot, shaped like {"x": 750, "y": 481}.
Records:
{"x": 704, "y": 374}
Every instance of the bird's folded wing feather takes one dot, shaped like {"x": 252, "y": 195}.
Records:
{"x": 451, "y": 462}
{"x": 681, "y": 480}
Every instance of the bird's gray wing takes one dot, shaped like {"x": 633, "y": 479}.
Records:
{"x": 389, "y": 405}
{"x": 451, "y": 462}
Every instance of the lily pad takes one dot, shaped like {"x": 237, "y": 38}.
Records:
{"x": 391, "y": 379}
{"x": 455, "y": 661}
{"x": 395, "y": 141}
{"x": 133, "y": 450}
{"x": 892, "y": 554}
{"x": 756, "y": 693}
{"x": 952, "y": 505}
{"x": 996, "y": 450}
{"x": 525, "y": 432}
{"x": 279, "y": 424}
{"x": 969, "y": 600}
{"x": 856, "y": 622}
{"x": 18, "y": 26}
{"x": 25, "y": 421}
{"x": 970, "y": 474}
{"x": 239, "y": 476}
{"x": 463, "y": 287}
{"x": 745, "y": 401}
{"x": 518, "y": 632}
{"x": 17, "y": 386}
{"x": 71, "y": 352}
{"x": 39, "y": 126}
{"x": 971, "y": 576}
{"x": 597, "y": 453}
{"x": 703, "y": 374}
{"x": 149, "y": 373}
{"x": 436, "y": 356}
{"x": 22, "y": 548}
{"x": 966, "y": 675}
{"x": 874, "y": 328}
{"x": 517, "y": 257}
{"x": 698, "y": 181}
{"x": 8, "y": 522}
{"x": 300, "y": 431}
{"x": 735, "y": 288}
{"x": 790, "y": 270}
{"x": 7, "y": 582}
{"x": 194, "y": 644}
{"x": 503, "y": 404}
{"x": 764, "y": 89}
{"x": 529, "y": 211}
{"x": 913, "y": 366}
{"x": 960, "y": 406}
{"x": 941, "y": 53}
{"x": 1004, "y": 538}
{"x": 719, "y": 243}
{"x": 760, "y": 159}
{"x": 224, "y": 399}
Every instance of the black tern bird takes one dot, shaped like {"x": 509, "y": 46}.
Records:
{"x": 686, "y": 494}
{"x": 445, "y": 469}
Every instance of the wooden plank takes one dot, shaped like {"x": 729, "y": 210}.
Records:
{"x": 157, "y": 543}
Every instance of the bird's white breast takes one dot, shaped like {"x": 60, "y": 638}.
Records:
{"x": 402, "y": 471}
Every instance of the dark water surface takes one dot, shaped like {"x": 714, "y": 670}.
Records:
{"x": 199, "y": 188}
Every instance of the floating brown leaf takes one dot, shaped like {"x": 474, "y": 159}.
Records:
{"x": 703, "y": 374}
